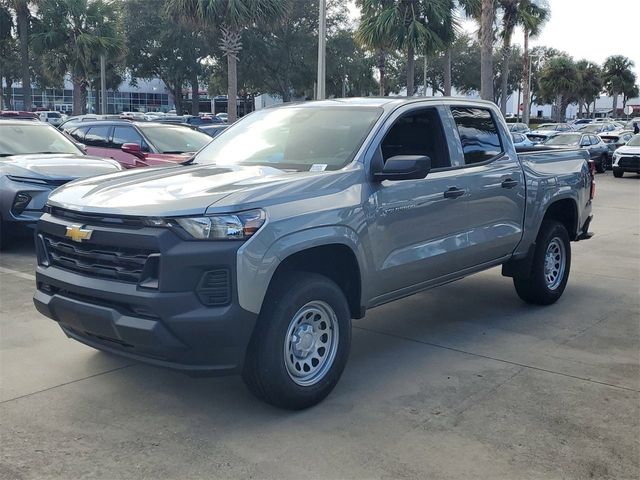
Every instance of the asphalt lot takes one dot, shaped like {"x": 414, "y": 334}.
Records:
{"x": 464, "y": 381}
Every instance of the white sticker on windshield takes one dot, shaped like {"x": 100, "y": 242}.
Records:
{"x": 318, "y": 167}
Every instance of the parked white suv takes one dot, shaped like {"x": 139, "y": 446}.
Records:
{"x": 54, "y": 118}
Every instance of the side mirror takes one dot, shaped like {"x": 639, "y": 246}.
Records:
{"x": 132, "y": 149}
{"x": 82, "y": 147}
{"x": 404, "y": 167}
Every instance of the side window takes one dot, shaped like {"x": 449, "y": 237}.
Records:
{"x": 97, "y": 136}
{"x": 518, "y": 138}
{"x": 594, "y": 140}
{"x": 418, "y": 133}
{"x": 122, "y": 135}
{"x": 478, "y": 134}
{"x": 79, "y": 133}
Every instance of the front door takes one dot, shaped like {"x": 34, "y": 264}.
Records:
{"x": 415, "y": 225}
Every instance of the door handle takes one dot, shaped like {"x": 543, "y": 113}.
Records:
{"x": 509, "y": 183}
{"x": 453, "y": 192}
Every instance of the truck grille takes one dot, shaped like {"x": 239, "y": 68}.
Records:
{"x": 629, "y": 162}
{"x": 117, "y": 263}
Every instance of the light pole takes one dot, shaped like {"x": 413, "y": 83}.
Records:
{"x": 527, "y": 108}
{"x": 103, "y": 85}
{"x": 322, "y": 50}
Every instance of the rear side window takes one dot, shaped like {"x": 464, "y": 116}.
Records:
{"x": 478, "y": 134}
{"x": 122, "y": 135}
{"x": 79, "y": 133}
{"x": 97, "y": 136}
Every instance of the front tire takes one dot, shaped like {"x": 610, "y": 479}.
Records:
{"x": 550, "y": 268}
{"x": 617, "y": 173}
{"x": 301, "y": 342}
{"x": 601, "y": 167}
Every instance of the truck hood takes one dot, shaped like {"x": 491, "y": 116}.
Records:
{"x": 56, "y": 166}
{"x": 190, "y": 190}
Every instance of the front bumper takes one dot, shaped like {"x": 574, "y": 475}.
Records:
{"x": 167, "y": 326}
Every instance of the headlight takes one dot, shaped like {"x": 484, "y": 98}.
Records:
{"x": 237, "y": 226}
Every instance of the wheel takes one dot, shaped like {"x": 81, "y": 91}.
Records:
{"x": 301, "y": 341}
{"x": 601, "y": 167}
{"x": 550, "y": 268}
{"x": 617, "y": 173}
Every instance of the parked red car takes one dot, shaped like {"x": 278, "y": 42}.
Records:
{"x": 139, "y": 144}
{"x": 18, "y": 115}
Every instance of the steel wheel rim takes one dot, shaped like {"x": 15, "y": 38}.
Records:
{"x": 555, "y": 260}
{"x": 311, "y": 343}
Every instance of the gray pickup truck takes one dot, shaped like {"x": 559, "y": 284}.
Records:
{"x": 254, "y": 255}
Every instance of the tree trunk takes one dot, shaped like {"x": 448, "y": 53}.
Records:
{"x": 382, "y": 60}
{"x": 526, "y": 93}
{"x": 615, "y": 104}
{"x": 177, "y": 96}
{"x": 447, "y": 72}
{"x": 78, "y": 106}
{"x": 410, "y": 70}
{"x": 486, "y": 50}
{"x": 195, "y": 95}
{"x": 504, "y": 75}
{"x": 22, "y": 14}
{"x": 232, "y": 88}
{"x": 580, "y": 105}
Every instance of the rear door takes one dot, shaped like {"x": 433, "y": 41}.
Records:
{"x": 96, "y": 139}
{"x": 492, "y": 181}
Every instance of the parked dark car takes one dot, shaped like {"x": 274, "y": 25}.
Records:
{"x": 213, "y": 130}
{"x": 140, "y": 144}
{"x": 35, "y": 158}
{"x": 18, "y": 115}
{"x": 190, "y": 120}
{"x": 73, "y": 122}
{"x": 597, "y": 149}
{"x": 615, "y": 140}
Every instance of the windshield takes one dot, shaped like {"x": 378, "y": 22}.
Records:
{"x": 295, "y": 138}
{"x": 174, "y": 138}
{"x": 570, "y": 139}
{"x": 34, "y": 138}
{"x": 634, "y": 142}
{"x": 547, "y": 126}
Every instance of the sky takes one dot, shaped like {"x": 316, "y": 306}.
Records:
{"x": 589, "y": 29}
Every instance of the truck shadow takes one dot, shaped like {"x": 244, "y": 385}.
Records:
{"x": 404, "y": 343}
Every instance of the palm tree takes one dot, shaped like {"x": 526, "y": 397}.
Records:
{"x": 616, "y": 73}
{"x": 509, "y": 20}
{"x": 408, "y": 25}
{"x": 73, "y": 33}
{"x": 487, "y": 17}
{"x": 533, "y": 16}
{"x": 371, "y": 36}
{"x": 558, "y": 84}
{"x": 232, "y": 17}
{"x": 589, "y": 84}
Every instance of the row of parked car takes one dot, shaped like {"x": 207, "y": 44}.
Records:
{"x": 601, "y": 138}
{"x": 36, "y": 157}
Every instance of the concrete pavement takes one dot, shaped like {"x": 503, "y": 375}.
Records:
{"x": 464, "y": 381}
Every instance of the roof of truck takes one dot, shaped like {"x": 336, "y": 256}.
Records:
{"x": 382, "y": 102}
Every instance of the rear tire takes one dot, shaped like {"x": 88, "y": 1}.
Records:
{"x": 301, "y": 342}
{"x": 617, "y": 173}
{"x": 550, "y": 268}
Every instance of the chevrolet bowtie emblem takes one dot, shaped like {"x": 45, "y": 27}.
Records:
{"x": 77, "y": 233}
